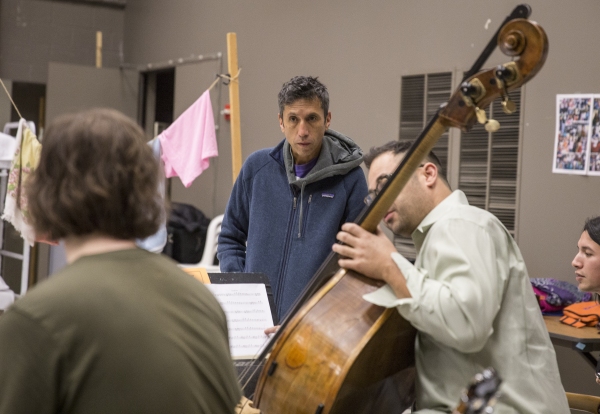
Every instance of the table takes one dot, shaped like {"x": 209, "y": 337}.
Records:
{"x": 583, "y": 340}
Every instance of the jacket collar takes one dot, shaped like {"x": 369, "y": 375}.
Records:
{"x": 456, "y": 198}
{"x": 339, "y": 154}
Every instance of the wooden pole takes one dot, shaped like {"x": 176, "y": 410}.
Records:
{"x": 234, "y": 102}
{"x": 98, "y": 49}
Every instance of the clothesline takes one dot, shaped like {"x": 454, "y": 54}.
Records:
{"x": 231, "y": 79}
{"x": 11, "y": 99}
{"x": 219, "y": 76}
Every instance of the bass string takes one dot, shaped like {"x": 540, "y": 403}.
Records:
{"x": 251, "y": 369}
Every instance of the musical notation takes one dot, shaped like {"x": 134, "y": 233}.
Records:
{"x": 246, "y": 306}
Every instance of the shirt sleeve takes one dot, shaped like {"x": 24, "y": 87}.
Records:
{"x": 457, "y": 292}
{"x": 231, "y": 246}
{"x": 28, "y": 366}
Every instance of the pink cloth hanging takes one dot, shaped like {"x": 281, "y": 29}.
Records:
{"x": 189, "y": 142}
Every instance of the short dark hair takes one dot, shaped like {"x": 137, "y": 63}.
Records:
{"x": 592, "y": 226}
{"x": 400, "y": 147}
{"x": 96, "y": 175}
{"x": 303, "y": 87}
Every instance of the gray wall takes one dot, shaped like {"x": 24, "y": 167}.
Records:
{"x": 74, "y": 88}
{"x": 34, "y": 32}
{"x": 5, "y": 105}
{"x": 360, "y": 50}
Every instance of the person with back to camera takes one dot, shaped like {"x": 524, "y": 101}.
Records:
{"x": 288, "y": 202}
{"x": 587, "y": 262}
{"x": 468, "y": 293}
{"x": 118, "y": 330}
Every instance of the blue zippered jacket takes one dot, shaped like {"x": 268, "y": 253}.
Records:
{"x": 284, "y": 227}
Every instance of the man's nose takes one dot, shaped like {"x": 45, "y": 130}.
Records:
{"x": 303, "y": 129}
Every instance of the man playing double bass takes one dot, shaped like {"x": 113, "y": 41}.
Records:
{"x": 468, "y": 293}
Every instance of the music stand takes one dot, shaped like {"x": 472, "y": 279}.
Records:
{"x": 260, "y": 278}
{"x": 251, "y": 366}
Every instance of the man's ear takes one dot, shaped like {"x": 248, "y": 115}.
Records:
{"x": 280, "y": 122}
{"x": 328, "y": 119}
{"x": 430, "y": 173}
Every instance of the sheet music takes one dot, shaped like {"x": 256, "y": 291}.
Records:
{"x": 246, "y": 307}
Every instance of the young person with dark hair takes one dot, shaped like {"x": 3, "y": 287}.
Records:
{"x": 289, "y": 202}
{"x": 587, "y": 262}
{"x": 468, "y": 293}
{"x": 119, "y": 329}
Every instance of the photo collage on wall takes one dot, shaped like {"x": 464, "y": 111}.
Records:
{"x": 577, "y": 140}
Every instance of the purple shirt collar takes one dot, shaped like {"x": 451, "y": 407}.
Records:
{"x": 301, "y": 170}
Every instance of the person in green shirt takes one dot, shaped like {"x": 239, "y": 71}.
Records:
{"x": 467, "y": 294}
{"x": 119, "y": 329}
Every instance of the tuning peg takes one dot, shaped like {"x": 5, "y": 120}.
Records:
{"x": 492, "y": 125}
{"x": 471, "y": 90}
{"x": 505, "y": 74}
{"x": 472, "y": 93}
{"x": 481, "y": 116}
{"x": 508, "y": 106}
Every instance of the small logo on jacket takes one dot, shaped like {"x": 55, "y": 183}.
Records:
{"x": 327, "y": 195}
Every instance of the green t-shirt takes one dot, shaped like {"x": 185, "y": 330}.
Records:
{"x": 119, "y": 332}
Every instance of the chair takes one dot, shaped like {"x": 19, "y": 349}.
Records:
{"x": 14, "y": 125}
{"x": 210, "y": 247}
{"x": 585, "y": 403}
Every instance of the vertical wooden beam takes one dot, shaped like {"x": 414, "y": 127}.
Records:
{"x": 98, "y": 49}
{"x": 234, "y": 102}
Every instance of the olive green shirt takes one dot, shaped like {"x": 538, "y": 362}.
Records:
{"x": 120, "y": 332}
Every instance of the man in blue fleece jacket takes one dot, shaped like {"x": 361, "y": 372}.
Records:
{"x": 289, "y": 202}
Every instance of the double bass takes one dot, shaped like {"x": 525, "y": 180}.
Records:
{"x": 336, "y": 352}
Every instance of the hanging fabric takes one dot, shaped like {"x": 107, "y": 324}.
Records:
{"x": 190, "y": 142}
{"x": 25, "y": 160}
{"x": 157, "y": 241}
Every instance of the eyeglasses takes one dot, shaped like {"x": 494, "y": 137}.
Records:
{"x": 379, "y": 184}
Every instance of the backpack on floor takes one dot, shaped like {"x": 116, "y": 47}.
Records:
{"x": 186, "y": 228}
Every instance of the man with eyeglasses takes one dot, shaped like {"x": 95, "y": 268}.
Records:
{"x": 468, "y": 293}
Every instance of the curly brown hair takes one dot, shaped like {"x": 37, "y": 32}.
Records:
{"x": 96, "y": 176}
